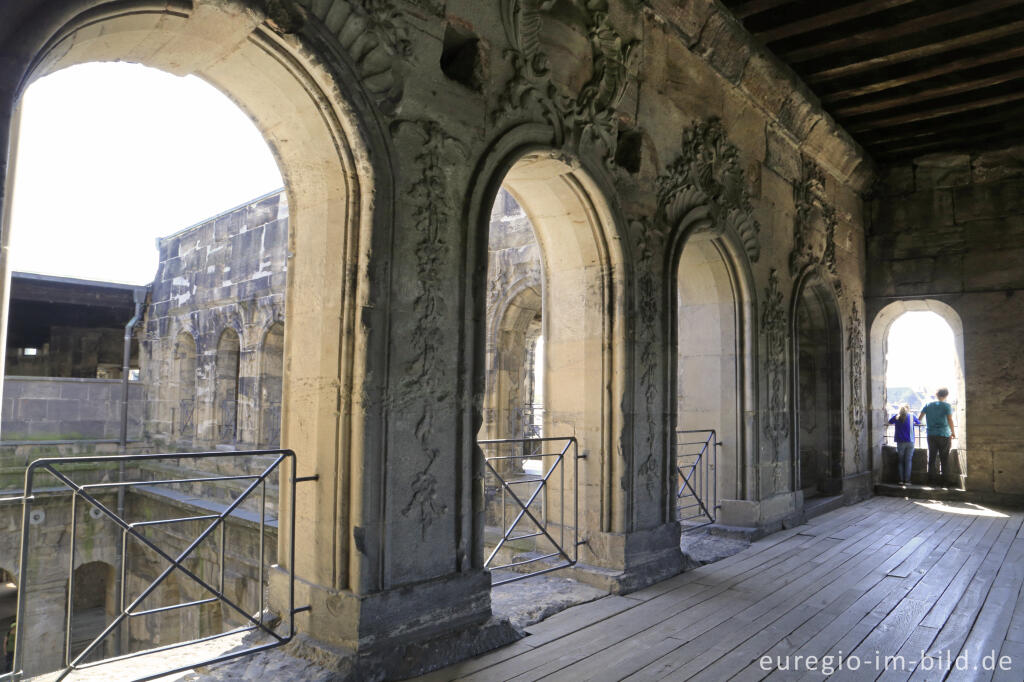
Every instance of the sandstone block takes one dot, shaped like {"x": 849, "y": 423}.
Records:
{"x": 781, "y": 156}
{"x": 942, "y": 170}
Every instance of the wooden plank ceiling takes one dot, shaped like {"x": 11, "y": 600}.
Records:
{"x": 904, "y": 77}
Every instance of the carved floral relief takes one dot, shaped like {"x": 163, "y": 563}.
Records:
{"x": 811, "y": 204}
{"x": 584, "y": 120}
{"x": 425, "y": 371}
{"x": 774, "y": 325}
{"x": 855, "y": 413}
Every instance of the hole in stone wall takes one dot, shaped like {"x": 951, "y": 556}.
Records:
{"x": 629, "y": 152}
{"x": 461, "y": 57}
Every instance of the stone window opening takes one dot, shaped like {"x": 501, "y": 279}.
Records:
{"x": 920, "y": 342}
{"x": 183, "y": 423}
{"x": 271, "y": 372}
{"x": 225, "y": 405}
{"x": 92, "y": 609}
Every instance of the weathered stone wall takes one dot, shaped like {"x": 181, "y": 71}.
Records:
{"x": 51, "y": 408}
{"x": 223, "y": 277}
{"x": 624, "y": 129}
{"x": 950, "y": 228}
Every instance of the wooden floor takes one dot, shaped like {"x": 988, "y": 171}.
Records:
{"x": 885, "y": 578}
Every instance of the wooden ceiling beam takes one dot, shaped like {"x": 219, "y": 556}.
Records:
{"x": 925, "y": 95}
{"x": 826, "y": 19}
{"x": 970, "y": 142}
{"x": 751, "y": 7}
{"x": 946, "y": 129}
{"x": 905, "y": 28}
{"x": 940, "y": 70}
{"x": 939, "y": 112}
{"x": 928, "y": 50}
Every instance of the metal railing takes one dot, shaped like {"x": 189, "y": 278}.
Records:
{"x": 87, "y": 493}
{"x": 538, "y": 525}
{"x": 186, "y": 412}
{"x": 920, "y": 435}
{"x": 697, "y": 468}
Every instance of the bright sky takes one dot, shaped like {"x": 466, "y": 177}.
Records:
{"x": 113, "y": 155}
{"x": 921, "y": 353}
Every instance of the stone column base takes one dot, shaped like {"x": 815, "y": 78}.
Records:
{"x": 625, "y": 562}
{"x": 397, "y": 633}
{"x": 762, "y": 517}
{"x": 857, "y": 487}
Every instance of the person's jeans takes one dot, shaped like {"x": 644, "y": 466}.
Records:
{"x": 938, "y": 447}
{"x": 904, "y": 459}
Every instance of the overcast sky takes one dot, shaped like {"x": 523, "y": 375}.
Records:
{"x": 112, "y": 156}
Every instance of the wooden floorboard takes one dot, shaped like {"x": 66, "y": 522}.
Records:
{"x": 900, "y": 588}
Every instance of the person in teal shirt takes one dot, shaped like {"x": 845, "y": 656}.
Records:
{"x": 941, "y": 433}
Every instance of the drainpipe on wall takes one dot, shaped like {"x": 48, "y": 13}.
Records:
{"x": 140, "y": 300}
{"x": 139, "y": 296}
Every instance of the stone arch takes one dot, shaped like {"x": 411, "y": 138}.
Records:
{"x": 183, "y": 410}
{"x": 582, "y": 297}
{"x": 699, "y": 250}
{"x": 92, "y": 608}
{"x": 269, "y": 385}
{"x": 508, "y": 339}
{"x": 227, "y": 367}
{"x": 307, "y": 96}
{"x": 877, "y": 347}
{"x": 8, "y": 598}
{"x": 816, "y": 338}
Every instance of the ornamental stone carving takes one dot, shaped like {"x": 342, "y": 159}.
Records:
{"x": 706, "y": 183}
{"x": 578, "y": 98}
{"x": 649, "y": 239}
{"x": 774, "y": 327}
{"x": 375, "y": 38}
{"x": 855, "y": 349}
{"x": 812, "y": 247}
{"x": 425, "y": 372}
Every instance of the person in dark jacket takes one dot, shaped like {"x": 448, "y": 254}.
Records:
{"x": 905, "y": 423}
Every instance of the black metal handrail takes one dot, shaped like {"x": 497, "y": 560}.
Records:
{"x": 697, "y": 468}
{"x": 566, "y": 553}
{"x": 85, "y": 492}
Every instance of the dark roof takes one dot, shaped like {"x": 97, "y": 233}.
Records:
{"x": 904, "y": 77}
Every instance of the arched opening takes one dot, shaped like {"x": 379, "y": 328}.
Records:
{"x": 183, "y": 409}
{"x": 8, "y": 611}
{"x": 708, "y": 372}
{"x": 514, "y": 323}
{"x": 225, "y": 401}
{"x": 818, "y": 410}
{"x": 271, "y": 371}
{"x": 92, "y": 608}
{"x": 550, "y": 339}
{"x": 917, "y": 347}
{"x": 300, "y": 101}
